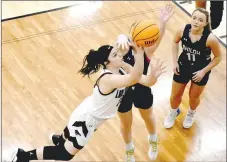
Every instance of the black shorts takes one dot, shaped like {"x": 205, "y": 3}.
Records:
{"x": 186, "y": 74}
{"x": 139, "y": 95}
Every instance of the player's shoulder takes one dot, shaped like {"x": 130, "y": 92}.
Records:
{"x": 211, "y": 39}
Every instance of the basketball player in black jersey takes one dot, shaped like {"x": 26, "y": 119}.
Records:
{"x": 193, "y": 64}
{"x": 140, "y": 94}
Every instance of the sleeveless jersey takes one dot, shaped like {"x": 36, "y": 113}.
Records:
{"x": 194, "y": 54}
{"x": 92, "y": 113}
{"x": 104, "y": 106}
{"x": 129, "y": 58}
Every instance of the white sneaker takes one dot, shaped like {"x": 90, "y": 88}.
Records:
{"x": 130, "y": 156}
{"x": 153, "y": 150}
{"x": 189, "y": 120}
{"x": 170, "y": 119}
{"x": 9, "y": 155}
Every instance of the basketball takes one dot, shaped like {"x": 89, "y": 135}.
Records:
{"x": 145, "y": 33}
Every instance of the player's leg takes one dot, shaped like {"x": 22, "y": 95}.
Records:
{"x": 61, "y": 152}
{"x": 143, "y": 99}
{"x": 149, "y": 120}
{"x": 126, "y": 124}
{"x": 125, "y": 116}
{"x": 77, "y": 133}
{"x": 196, "y": 89}
{"x": 178, "y": 86}
{"x": 75, "y": 141}
{"x": 126, "y": 132}
{"x": 57, "y": 139}
{"x": 175, "y": 101}
{"x": 216, "y": 13}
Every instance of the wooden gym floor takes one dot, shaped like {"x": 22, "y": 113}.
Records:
{"x": 41, "y": 55}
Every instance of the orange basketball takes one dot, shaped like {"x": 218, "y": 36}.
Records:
{"x": 145, "y": 33}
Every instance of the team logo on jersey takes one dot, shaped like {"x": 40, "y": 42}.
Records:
{"x": 191, "y": 50}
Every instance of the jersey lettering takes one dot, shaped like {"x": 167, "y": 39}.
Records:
{"x": 120, "y": 93}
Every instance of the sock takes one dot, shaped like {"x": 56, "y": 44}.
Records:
{"x": 31, "y": 155}
{"x": 153, "y": 137}
{"x": 173, "y": 110}
{"x": 129, "y": 146}
{"x": 191, "y": 111}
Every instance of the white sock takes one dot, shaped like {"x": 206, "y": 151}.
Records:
{"x": 153, "y": 137}
{"x": 191, "y": 111}
{"x": 173, "y": 110}
{"x": 129, "y": 146}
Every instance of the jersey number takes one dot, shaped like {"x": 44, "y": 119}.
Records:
{"x": 191, "y": 57}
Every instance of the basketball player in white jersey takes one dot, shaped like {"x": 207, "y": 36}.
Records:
{"x": 94, "y": 110}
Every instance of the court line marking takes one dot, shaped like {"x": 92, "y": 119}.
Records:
{"x": 79, "y": 26}
{"x": 41, "y": 12}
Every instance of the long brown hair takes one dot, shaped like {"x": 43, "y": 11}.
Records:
{"x": 95, "y": 59}
{"x": 207, "y": 14}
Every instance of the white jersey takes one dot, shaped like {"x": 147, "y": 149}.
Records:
{"x": 92, "y": 112}
{"x": 105, "y": 106}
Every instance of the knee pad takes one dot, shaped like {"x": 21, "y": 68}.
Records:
{"x": 216, "y": 13}
{"x": 56, "y": 153}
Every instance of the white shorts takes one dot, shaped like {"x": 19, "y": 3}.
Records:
{"x": 81, "y": 126}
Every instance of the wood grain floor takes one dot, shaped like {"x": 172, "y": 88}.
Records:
{"x": 41, "y": 55}
{"x": 12, "y": 9}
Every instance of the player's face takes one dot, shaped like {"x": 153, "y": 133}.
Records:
{"x": 115, "y": 58}
{"x": 198, "y": 20}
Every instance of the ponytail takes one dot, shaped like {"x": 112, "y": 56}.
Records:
{"x": 208, "y": 26}
{"x": 94, "y": 60}
{"x": 90, "y": 65}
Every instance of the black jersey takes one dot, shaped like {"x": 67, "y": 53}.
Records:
{"x": 129, "y": 58}
{"x": 139, "y": 95}
{"x": 194, "y": 54}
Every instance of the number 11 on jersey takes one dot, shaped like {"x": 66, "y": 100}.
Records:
{"x": 191, "y": 57}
